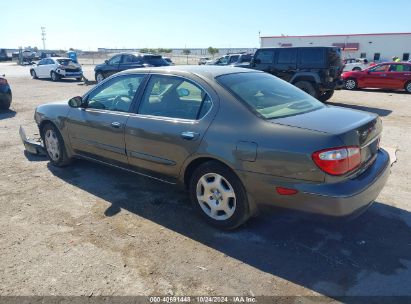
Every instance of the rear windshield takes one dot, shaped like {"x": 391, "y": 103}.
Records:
{"x": 269, "y": 96}
{"x": 65, "y": 61}
{"x": 155, "y": 60}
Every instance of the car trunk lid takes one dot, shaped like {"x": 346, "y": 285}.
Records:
{"x": 353, "y": 127}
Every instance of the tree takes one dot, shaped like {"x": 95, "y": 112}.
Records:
{"x": 212, "y": 51}
{"x": 145, "y": 50}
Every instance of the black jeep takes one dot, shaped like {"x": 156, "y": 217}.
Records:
{"x": 315, "y": 70}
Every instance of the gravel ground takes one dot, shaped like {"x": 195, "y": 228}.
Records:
{"x": 91, "y": 230}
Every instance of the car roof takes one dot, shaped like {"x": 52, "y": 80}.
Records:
{"x": 208, "y": 71}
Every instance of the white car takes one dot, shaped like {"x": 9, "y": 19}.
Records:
{"x": 356, "y": 64}
{"x": 57, "y": 68}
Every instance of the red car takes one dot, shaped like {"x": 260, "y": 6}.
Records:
{"x": 387, "y": 75}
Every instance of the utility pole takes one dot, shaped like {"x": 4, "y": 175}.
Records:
{"x": 43, "y": 36}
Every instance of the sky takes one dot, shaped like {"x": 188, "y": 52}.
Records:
{"x": 90, "y": 24}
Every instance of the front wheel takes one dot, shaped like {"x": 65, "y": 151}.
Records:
{"x": 33, "y": 74}
{"x": 408, "y": 87}
{"x": 99, "y": 77}
{"x": 219, "y": 196}
{"x": 350, "y": 84}
{"x": 5, "y": 100}
{"x": 79, "y": 78}
{"x": 324, "y": 96}
{"x": 307, "y": 87}
{"x": 55, "y": 147}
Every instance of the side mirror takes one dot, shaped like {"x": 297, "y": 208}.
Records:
{"x": 182, "y": 92}
{"x": 76, "y": 102}
{"x": 106, "y": 61}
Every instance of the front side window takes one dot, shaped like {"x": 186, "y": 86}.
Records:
{"x": 174, "y": 97}
{"x": 116, "y": 95}
{"x": 380, "y": 68}
{"x": 265, "y": 56}
{"x": 268, "y": 96}
{"x": 115, "y": 60}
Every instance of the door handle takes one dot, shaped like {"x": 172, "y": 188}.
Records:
{"x": 189, "y": 135}
{"x": 116, "y": 124}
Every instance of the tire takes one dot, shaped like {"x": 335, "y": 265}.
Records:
{"x": 79, "y": 78}
{"x": 407, "y": 87}
{"x": 54, "y": 76}
{"x": 33, "y": 74}
{"x": 326, "y": 95}
{"x": 351, "y": 84}
{"x": 54, "y": 145}
{"x": 99, "y": 77}
{"x": 5, "y": 100}
{"x": 307, "y": 87}
{"x": 203, "y": 184}
{"x": 356, "y": 69}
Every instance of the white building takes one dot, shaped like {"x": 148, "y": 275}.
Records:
{"x": 374, "y": 47}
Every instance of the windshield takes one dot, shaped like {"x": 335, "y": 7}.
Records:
{"x": 269, "y": 96}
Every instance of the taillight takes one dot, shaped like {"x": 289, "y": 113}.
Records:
{"x": 338, "y": 161}
{"x": 3, "y": 81}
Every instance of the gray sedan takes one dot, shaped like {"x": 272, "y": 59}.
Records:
{"x": 235, "y": 138}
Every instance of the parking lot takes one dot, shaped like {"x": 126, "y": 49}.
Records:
{"x": 92, "y": 230}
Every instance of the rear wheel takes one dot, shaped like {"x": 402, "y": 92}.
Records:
{"x": 351, "y": 84}
{"x": 219, "y": 196}
{"x": 307, "y": 87}
{"x": 54, "y": 76}
{"x": 55, "y": 147}
{"x": 99, "y": 77}
{"x": 324, "y": 96}
{"x": 408, "y": 87}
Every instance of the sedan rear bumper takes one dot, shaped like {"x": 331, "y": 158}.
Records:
{"x": 338, "y": 199}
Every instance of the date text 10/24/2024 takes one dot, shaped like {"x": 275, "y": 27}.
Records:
{"x": 203, "y": 299}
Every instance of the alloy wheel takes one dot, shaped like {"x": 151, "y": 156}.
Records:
{"x": 52, "y": 144}
{"x": 216, "y": 196}
{"x": 99, "y": 78}
{"x": 350, "y": 84}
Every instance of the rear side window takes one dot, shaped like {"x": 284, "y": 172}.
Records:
{"x": 155, "y": 60}
{"x": 245, "y": 58}
{"x": 287, "y": 56}
{"x": 265, "y": 56}
{"x": 311, "y": 56}
{"x": 174, "y": 97}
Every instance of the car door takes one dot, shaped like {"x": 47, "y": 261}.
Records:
{"x": 398, "y": 75}
{"x": 129, "y": 61}
{"x": 112, "y": 66}
{"x": 97, "y": 130}
{"x": 264, "y": 60}
{"x": 40, "y": 68}
{"x": 172, "y": 118}
{"x": 376, "y": 77}
{"x": 285, "y": 64}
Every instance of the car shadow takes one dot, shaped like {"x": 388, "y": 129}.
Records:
{"x": 4, "y": 114}
{"x": 366, "y": 256}
{"x": 380, "y": 112}
{"x": 385, "y": 91}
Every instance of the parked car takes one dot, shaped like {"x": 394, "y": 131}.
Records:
{"x": 169, "y": 61}
{"x": 315, "y": 70}
{"x": 235, "y": 138}
{"x": 56, "y": 68}
{"x": 5, "y": 94}
{"x": 45, "y": 54}
{"x": 355, "y": 64}
{"x": 126, "y": 61}
{"x": 203, "y": 60}
{"x": 3, "y": 55}
{"x": 213, "y": 61}
{"x": 389, "y": 75}
{"x": 238, "y": 60}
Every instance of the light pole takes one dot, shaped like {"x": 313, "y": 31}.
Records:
{"x": 43, "y": 36}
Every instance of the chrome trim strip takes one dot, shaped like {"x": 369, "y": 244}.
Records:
{"x": 370, "y": 142}
{"x": 151, "y": 158}
{"x": 125, "y": 169}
